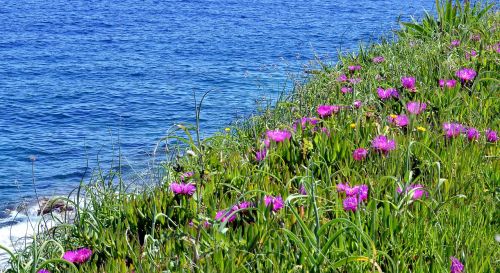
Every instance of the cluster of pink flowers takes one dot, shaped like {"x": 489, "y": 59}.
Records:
{"x": 261, "y": 154}
{"x": 304, "y": 122}
{"x": 398, "y": 120}
{"x": 447, "y": 83}
{"x": 417, "y": 191}
{"x": 327, "y": 110}
{"x": 385, "y": 94}
{"x": 229, "y": 215}
{"x": 346, "y": 89}
{"x": 383, "y": 145}
{"x": 415, "y": 107}
{"x": 354, "y": 195}
{"x": 353, "y": 68}
{"x": 453, "y": 129}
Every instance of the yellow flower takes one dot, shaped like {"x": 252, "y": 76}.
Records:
{"x": 227, "y": 129}
{"x": 421, "y": 129}
{"x": 393, "y": 116}
{"x": 352, "y": 125}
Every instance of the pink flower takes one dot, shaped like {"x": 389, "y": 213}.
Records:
{"x": 186, "y": 175}
{"x": 360, "y": 154}
{"x": 456, "y": 265}
{"x": 260, "y": 155}
{"x": 415, "y": 107}
{"x": 491, "y": 136}
{"x": 353, "y": 68}
{"x": 357, "y": 104}
{"x": 455, "y": 43}
{"x": 350, "y": 204}
{"x": 302, "y": 190}
{"x": 78, "y": 256}
{"x": 383, "y": 144}
{"x": 378, "y": 59}
{"x": 341, "y": 187}
{"x": 346, "y": 89}
{"x": 363, "y": 192}
{"x": 447, "y": 83}
{"x": 182, "y": 188}
{"x": 472, "y": 134}
{"x": 275, "y": 202}
{"x": 355, "y": 80}
{"x": 417, "y": 191}
{"x": 352, "y": 191}
{"x": 342, "y": 78}
{"x": 327, "y": 110}
{"x": 222, "y": 216}
{"x": 466, "y": 74}
{"x": 470, "y": 54}
{"x": 408, "y": 83}
{"x": 278, "y": 135}
{"x": 43, "y": 271}
{"x": 452, "y": 130}
{"x": 387, "y": 93}
{"x": 398, "y": 120}
{"x": 304, "y": 122}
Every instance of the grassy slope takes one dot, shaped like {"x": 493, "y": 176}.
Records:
{"x": 150, "y": 231}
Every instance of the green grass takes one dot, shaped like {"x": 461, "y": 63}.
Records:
{"x": 150, "y": 230}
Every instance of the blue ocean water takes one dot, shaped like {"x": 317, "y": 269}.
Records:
{"x": 77, "y": 77}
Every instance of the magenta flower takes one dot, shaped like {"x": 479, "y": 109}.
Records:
{"x": 222, "y": 216}
{"x": 357, "y": 104}
{"x": 398, "y": 120}
{"x": 387, "y": 93}
{"x": 78, "y": 256}
{"x": 452, "y": 130}
{"x": 456, "y": 265}
{"x": 325, "y": 131}
{"x": 472, "y": 134}
{"x": 455, "y": 43}
{"x": 447, "y": 83}
{"x": 491, "y": 136}
{"x": 415, "y": 107}
{"x": 275, "y": 202}
{"x": 278, "y": 135}
{"x": 350, "y": 204}
{"x": 470, "y": 54}
{"x": 260, "y": 155}
{"x": 43, "y": 271}
{"x": 182, "y": 188}
{"x": 327, "y": 110}
{"x": 304, "y": 122}
{"x": 346, "y": 89}
{"x": 408, "y": 83}
{"x": 342, "y": 78}
{"x": 383, "y": 144}
{"x": 186, "y": 175}
{"x": 302, "y": 190}
{"x": 359, "y": 154}
{"x": 378, "y": 59}
{"x": 353, "y": 68}
{"x": 341, "y": 187}
{"x": 351, "y": 191}
{"x": 417, "y": 191}
{"x": 363, "y": 192}
{"x": 466, "y": 74}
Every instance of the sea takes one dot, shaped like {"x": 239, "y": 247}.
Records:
{"x": 84, "y": 81}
